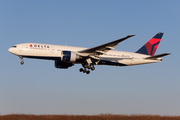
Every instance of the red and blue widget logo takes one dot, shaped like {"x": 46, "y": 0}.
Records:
{"x": 151, "y": 46}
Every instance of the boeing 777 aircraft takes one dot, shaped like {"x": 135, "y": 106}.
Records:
{"x": 67, "y": 56}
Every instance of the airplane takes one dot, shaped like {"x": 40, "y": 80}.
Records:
{"x": 67, "y": 56}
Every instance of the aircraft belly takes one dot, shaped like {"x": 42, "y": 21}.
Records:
{"x": 44, "y": 57}
{"x": 111, "y": 61}
{"x": 125, "y": 61}
{"x": 138, "y": 61}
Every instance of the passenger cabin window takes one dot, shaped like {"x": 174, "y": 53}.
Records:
{"x": 14, "y": 46}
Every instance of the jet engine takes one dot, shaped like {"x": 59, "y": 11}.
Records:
{"x": 69, "y": 56}
{"x": 63, "y": 65}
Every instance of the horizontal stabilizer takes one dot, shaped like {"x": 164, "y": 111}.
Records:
{"x": 158, "y": 56}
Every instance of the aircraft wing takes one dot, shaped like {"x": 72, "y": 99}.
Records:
{"x": 101, "y": 49}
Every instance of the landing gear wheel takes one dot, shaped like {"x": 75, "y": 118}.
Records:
{"x": 22, "y": 62}
{"x": 87, "y": 72}
{"x": 92, "y": 68}
{"x": 84, "y": 71}
{"x": 89, "y": 67}
{"x": 84, "y": 65}
{"x": 80, "y": 70}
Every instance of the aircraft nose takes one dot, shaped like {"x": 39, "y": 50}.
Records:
{"x": 12, "y": 50}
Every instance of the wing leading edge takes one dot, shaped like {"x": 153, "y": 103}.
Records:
{"x": 101, "y": 49}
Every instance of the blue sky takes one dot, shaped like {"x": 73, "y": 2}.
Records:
{"x": 39, "y": 88}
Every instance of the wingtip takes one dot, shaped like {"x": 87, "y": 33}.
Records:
{"x": 168, "y": 53}
{"x": 131, "y": 35}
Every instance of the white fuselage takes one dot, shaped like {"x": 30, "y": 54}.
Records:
{"x": 54, "y": 52}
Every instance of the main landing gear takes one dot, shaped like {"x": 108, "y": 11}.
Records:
{"x": 22, "y": 62}
{"x": 88, "y": 64}
{"x": 85, "y": 67}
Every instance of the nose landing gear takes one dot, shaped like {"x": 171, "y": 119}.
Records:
{"x": 22, "y": 62}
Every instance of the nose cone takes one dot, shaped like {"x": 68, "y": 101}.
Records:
{"x": 12, "y": 50}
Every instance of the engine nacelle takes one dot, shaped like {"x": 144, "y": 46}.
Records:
{"x": 69, "y": 56}
{"x": 63, "y": 65}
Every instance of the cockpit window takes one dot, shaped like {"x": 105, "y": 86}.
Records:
{"x": 14, "y": 46}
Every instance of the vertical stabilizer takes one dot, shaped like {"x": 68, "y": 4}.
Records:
{"x": 151, "y": 46}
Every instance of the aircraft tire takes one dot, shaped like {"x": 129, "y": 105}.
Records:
{"x": 84, "y": 71}
{"x": 92, "y": 68}
{"x": 87, "y": 72}
{"x": 80, "y": 70}
{"x": 89, "y": 67}
{"x": 22, "y": 62}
